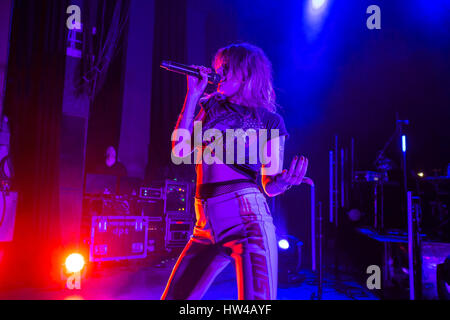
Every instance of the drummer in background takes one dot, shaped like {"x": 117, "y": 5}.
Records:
{"x": 111, "y": 166}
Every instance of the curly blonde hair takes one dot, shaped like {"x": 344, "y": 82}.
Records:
{"x": 256, "y": 70}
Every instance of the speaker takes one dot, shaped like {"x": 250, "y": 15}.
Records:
{"x": 156, "y": 240}
{"x": 150, "y": 208}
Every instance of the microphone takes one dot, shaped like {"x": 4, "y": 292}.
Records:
{"x": 213, "y": 78}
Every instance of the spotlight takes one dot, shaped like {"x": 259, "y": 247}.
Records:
{"x": 354, "y": 215}
{"x": 283, "y": 244}
{"x": 289, "y": 260}
{"x": 317, "y": 4}
{"x": 315, "y": 14}
{"x": 74, "y": 262}
{"x": 421, "y": 174}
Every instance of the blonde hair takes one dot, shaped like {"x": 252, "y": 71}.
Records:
{"x": 256, "y": 69}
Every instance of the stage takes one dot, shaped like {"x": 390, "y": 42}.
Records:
{"x": 147, "y": 283}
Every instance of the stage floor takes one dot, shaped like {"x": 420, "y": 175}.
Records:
{"x": 137, "y": 282}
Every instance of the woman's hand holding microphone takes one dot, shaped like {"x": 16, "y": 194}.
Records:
{"x": 196, "y": 86}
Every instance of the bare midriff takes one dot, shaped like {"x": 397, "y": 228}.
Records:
{"x": 208, "y": 173}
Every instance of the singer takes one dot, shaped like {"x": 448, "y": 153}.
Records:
{"x": 233, "y": 219}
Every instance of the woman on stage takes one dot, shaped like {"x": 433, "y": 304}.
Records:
{"x": 233, "y": 219}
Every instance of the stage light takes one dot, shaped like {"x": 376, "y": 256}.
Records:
{"x": 289, "y": 260}
{"x": 317, "y": 4}
{"x": 283, "y": 244}
{"x": 421, "y": 174}
{"x": 315, "y": 14}
{"x": 74, "y": 297}
{"x": 354, "y": 215}
{"x": 404, "y": 143}
{"x": 74, "y": 262}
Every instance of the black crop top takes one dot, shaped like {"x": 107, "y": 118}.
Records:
{"x": 222, "y": 115}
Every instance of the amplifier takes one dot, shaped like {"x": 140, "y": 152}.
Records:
{"x": 155, "y": 242}
{"x": 368, "y": 176}
{"x": 116, "y": 207}
{"x": 108, "y": 206}
{"x": 150, "y": 208}
{"x": 178, "y": 231}
{"x": 151, "y": 193}
{"x": 177, "y": 198}
{"x": 118, "y": 238}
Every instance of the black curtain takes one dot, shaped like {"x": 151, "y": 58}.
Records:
{"x": 168, "y": 89}
{"x": 105, "y": 87}
{"x": 33, "y": 103}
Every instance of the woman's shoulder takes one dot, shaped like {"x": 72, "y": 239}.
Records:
{"x": 270, "y": 117}
{"x": 273, "y": 120}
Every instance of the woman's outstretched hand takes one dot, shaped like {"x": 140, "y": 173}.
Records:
{"x": 195, "y": 85}
{"x": 295, "y": 175}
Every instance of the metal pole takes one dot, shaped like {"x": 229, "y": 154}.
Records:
{"x": 319, "y": 295}
{"x": 352, "y": 166}
{"x": 410, "y": 248}
{"x": 375, "y": 206}
{"x": 313, "y": 227}
{"x": 310, "y": 182}
{"x": 336, "y": 199}
{"x": 331, "y": 191}
{"x": 342, "y": 178}
{"x": 417, "y": 247}
{"x": 382, "y": 207}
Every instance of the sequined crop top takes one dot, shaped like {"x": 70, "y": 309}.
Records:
{"x": 221, "y": 114}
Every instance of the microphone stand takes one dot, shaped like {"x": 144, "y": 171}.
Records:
{"x": 319, "y": 272}
{"x": 399, "y": 132}
{"x": 412, "y": 212}
{"x": 396, "y": 133}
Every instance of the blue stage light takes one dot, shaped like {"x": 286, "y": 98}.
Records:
{"x": 317, "y": 4}
{"x": 404, "y": 143}
{"x": 316, "y": 12}
{"x": 283, "y": 244}
{"x": 289, "y": 260}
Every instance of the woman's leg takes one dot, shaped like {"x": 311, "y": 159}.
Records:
{"x": 195, "y": 270}
{"x": 256, "y": 261}
{"x": 256, "y": 254}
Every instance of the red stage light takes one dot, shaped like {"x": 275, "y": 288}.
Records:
{"x": 74, "y": 262}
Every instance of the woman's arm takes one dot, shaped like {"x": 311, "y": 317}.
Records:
{"x": 185, "y": 122}
{"x": 276, "y": 181}
{"x": 270, "y": 171}
{"x": 186, "y": 117}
